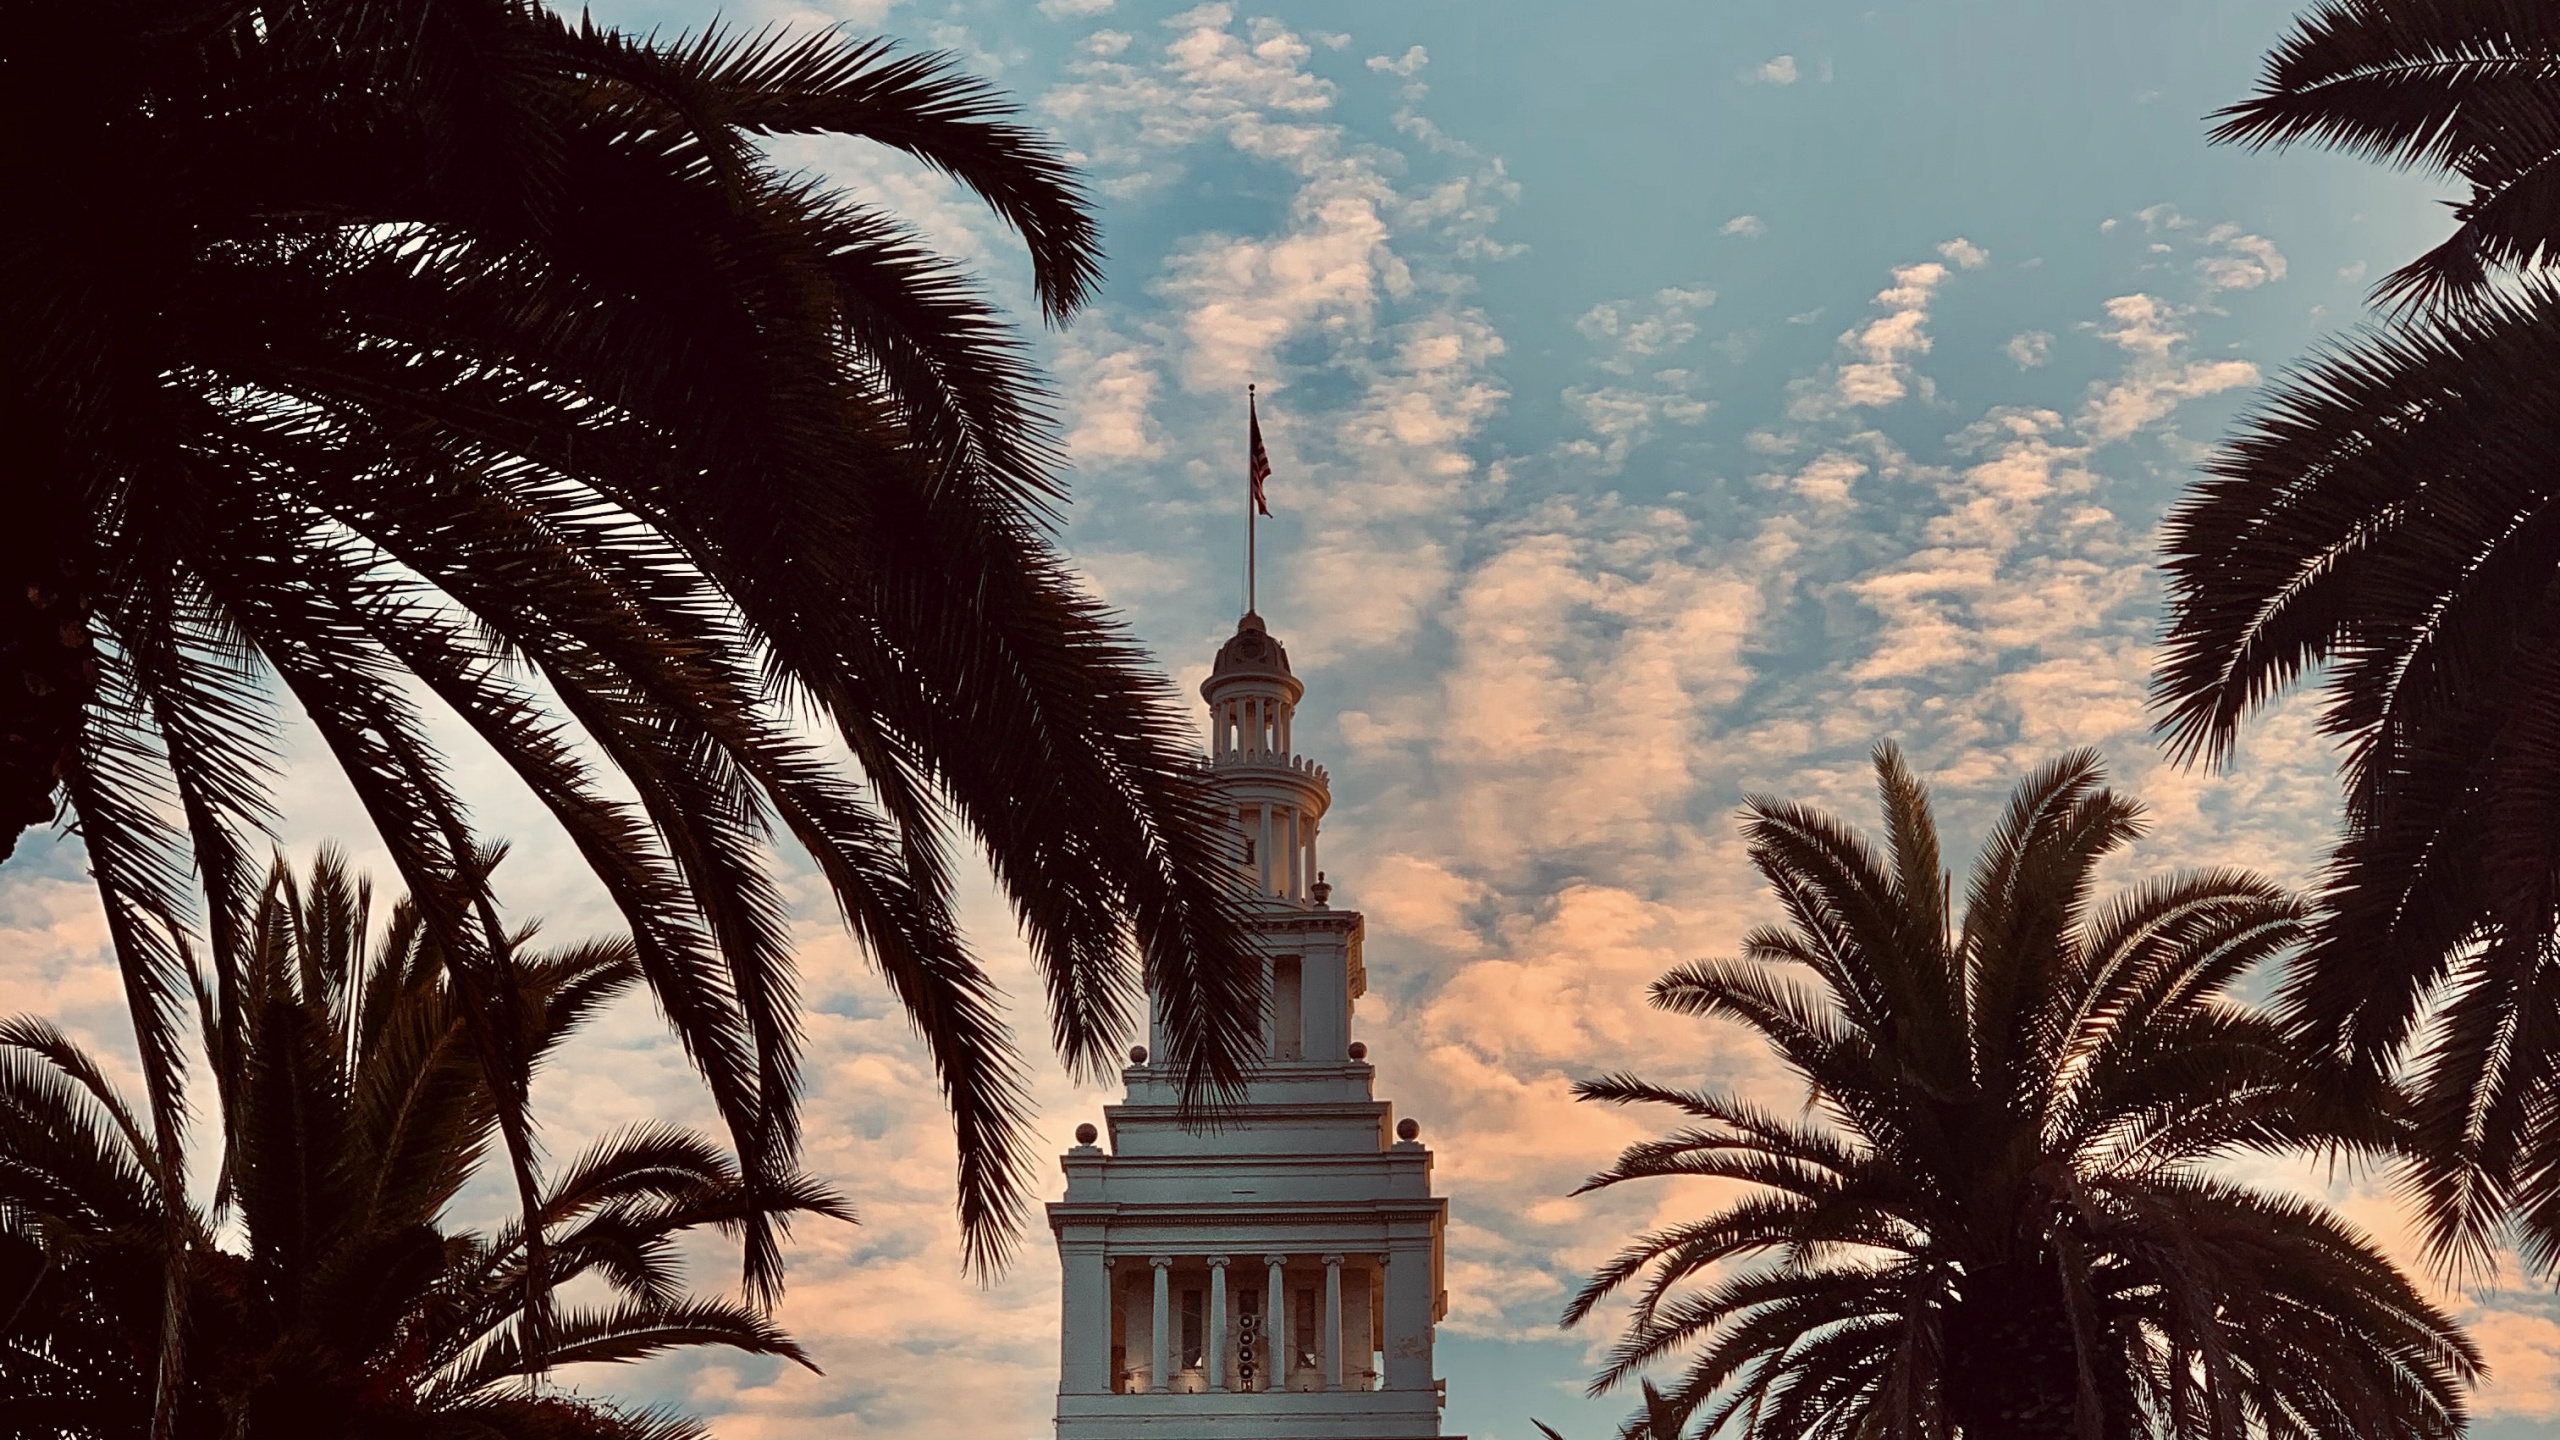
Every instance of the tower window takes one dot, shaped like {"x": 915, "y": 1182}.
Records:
{"x": 1193, "y": 1316}
{"x": 1302, "y": 1334}
{"x": 1288, "y": 1010}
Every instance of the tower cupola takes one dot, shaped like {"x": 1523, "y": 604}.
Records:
{"x": 1277, "y": 796}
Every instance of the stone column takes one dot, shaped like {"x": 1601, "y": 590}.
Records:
{"x": 1275, "y": 1325}
{"x": 1111, "y": 1315}
{"x": 1216, "y": 1360}
{"x": 1409, "y": 1305}
{"x": 1264, "y": 853}
{"x": 1085, "y": 1312}
{"x": 1330, "y": 1342}
{"x": 1162, "y": 1379}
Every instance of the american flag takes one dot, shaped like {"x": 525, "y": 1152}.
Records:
{"x": 1257, "y": 468}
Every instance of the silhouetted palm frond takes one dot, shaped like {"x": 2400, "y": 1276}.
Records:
{"x": 2467, "y": 89}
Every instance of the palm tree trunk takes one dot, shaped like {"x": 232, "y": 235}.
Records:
{"x": 2012, "y": 1368}
{"x": 48, "y": 671}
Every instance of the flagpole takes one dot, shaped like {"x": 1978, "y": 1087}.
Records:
{"x": 1249, "y": 509}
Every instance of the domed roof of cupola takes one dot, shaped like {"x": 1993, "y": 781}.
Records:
{"x": 1252, "y": 650}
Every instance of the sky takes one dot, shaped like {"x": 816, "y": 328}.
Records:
{"x": 1668, "y": 401}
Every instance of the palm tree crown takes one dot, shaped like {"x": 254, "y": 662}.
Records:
{"x": 2462, "y": 88}
{"x": 2389, "y": 518}
{"x": 353, "y": 1111}
{"x": 359, "y": 351}
{"x": 2003, "y": 1222}
{"x": 2386, "y": 518}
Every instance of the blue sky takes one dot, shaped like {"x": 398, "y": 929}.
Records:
{"x": 1668, "y": 401}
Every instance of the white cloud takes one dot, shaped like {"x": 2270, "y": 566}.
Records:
{"x": 1630, "y": 331}
{"x": 2160, "y": 217}
{"x": 1884, "y": 347}
{"x": 1749, "y": 227}
{"x": 1631, "y": 339}
{"x": 1964, "y": 254}
{"x": 1075, "y": 9}
{"x": 2029, "y": 349}
{"x": 2158, "y": 380}
{"x": 1592, "y": 643}
{"x": 1404, "y": 66}
{"x": 2244, "y": 262}
{"x": 1112, "y": 400}
{"x": 1826, "y": 479}
{"x": 1780, "y": 71}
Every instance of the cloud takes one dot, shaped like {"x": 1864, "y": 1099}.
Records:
{"x": 2156, "y": 218}
{"x": 1964, "y": 254}
{"x": 1631, "y": 331}
{"x": 1404, "y": 66}
{"x": 1075, "y": 9}
{"x": 1630, "y": 338}
{"x": 2244, "y": 262}
{"x": 1827, "y": 479}
{"x": 1749, "y": 227}
{"x": 1881, "y": 373}
{"x": 2158, "y": 380}
{"x": 2029, "y": 349}
{"x": 1113, "y": 401}
{"x": 1622, "y": 418}
{"x": 1780, "y": 71}
{"x": 2522, "y": 1347}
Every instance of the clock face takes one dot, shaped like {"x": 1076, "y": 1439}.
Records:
{"x": 1249, "y": 646}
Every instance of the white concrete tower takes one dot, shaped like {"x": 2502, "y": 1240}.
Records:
{"x": 1279, "y": 1277}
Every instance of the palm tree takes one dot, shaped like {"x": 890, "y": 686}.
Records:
{"x": 354, "y": 1110}
{"x": 1999, "y": 1217}
{"x": 2463, "y": 89}
{"x": 364, "y": 349}
{"x": 2384, "y": 517}
{"x": 2388, "y": 518}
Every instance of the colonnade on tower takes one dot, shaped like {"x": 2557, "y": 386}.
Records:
{"x": 1278, "y": 1276}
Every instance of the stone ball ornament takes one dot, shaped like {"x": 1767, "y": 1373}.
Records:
{"x": 1137, "y": 1054}
{"x": 1359, "y": 1050}
{"x": 1086, "y": 1134}
{"x": 1408, "y": 1128}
